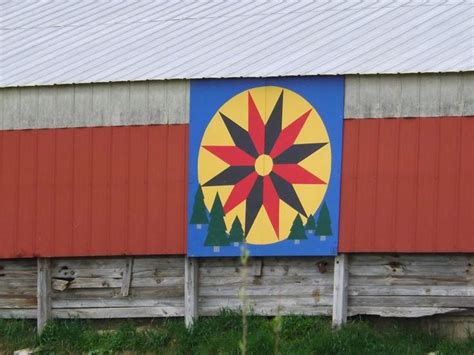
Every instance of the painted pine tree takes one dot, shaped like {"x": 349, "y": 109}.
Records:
{"x": 323, "y": 226}
{"x": 199, "y": 215}
{"x": 297, "y": 231}
{"x": 216, "y": 232}
{"x": 236, "y": 234}
{"x": 310, "y": 224}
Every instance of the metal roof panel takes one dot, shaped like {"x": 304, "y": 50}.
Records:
{"x": 58, "y": 42}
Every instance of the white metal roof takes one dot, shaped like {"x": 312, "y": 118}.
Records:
{"x": 58, "y": 42}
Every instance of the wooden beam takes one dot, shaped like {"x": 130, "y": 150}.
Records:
{"x": 127, "y": 277}
{"x": 190, "y": 290}
{"x": 43, "y": 313}
{"x": 340, "y": 295}
{"x": 257, "y": 267}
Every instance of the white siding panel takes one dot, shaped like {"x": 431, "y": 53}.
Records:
{"x": 11, "y": 108}
{"x": 167, "y": 102}
{"x": 157, "y": 102}
{"x": 89, "y": 105}
{"x": 409, "y": 95}
{"x": 468, "y": 94}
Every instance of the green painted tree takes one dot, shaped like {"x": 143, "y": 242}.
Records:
{"x": 310, "y": 224}
{"x": 236, "y": 234}
{"x": 323, "y": 226}
{"x": 216, "y": 233}
{"x": 297, "y": 231}
{"x": 199, "y": 215}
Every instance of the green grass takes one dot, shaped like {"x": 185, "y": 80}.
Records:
{"x": 221, "y": 335}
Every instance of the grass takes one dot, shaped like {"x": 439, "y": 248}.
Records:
{"x": 221, "y": 335}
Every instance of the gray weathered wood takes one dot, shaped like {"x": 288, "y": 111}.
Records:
{"x": 190, "y": 290}
{"x": 257, "y": 267}
{"x": 340, "y": 295}
{"x": 399, "y": 285}
{"x": 127, "y": 277}
{"x": 409, "y": 95}
{"x": 162, "y": 102}
{"x": 44, "y": 293}
{"x": 98, "y": 104}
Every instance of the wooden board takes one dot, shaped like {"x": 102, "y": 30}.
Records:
{"x": 386, "y": 285}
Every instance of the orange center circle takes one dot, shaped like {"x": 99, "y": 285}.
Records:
{"x": 264, "y": 165}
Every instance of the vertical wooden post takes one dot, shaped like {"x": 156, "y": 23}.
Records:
{"x": 43, "y": 313}
{"x": 190, "y": 290}
{"x": 340, "y": 295}
{"x": 127, "y": 277}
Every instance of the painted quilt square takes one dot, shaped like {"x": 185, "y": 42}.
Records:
{"x": 264, "y": 166}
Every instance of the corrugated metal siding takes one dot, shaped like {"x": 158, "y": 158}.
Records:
{"x": 111, "y": 104}
{"x": 100, "y": 41}
{"x": 93, "y": 191}
{"x": 408, "y": 185}
{"x": 162, "y": 102}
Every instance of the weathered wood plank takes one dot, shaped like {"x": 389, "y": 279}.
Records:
{"x": 339, "y": 306}
{"x": 29, "y": 107}
{"x": 352, "y": 96}
{"x": 260, "y": 304}
{"x": 120, "y": 103}
{"x": 191, "y": 289}
{"x": 410, "y": 95}
{"x": 287, "y": 281}
{"x": 123, "y": 312}
{"x": 83, "y": 105}
{"x": 17, "y": 302}
{"x": 127, "y": 277}
{"x": 44, "y": 293}
{"x": 139, "y": 108}
{"x": 390, "y": 96}
{"x": 468, "y": 94}
{"x": 411, "y": 290}
{"x": 17, "y": 313}
{"x": 451, "y": 94}
{"x": 118, "y": 302}
{"x": 409, "y": 259}
{"x": 11, "y": 107}
{"x": 413, "y": 301}
{"x": 406, "y": 312}
{"x": 370, "y": 96}
{"x": 270, "y": 291}
{"x": 157, "y": 102}
{"x": 63, "y": 112}
{"x": 177, "y": 100}
{"x": 273, "y": 310}
{"x": 101, "y": 103}
{"x": 102, "y": 282}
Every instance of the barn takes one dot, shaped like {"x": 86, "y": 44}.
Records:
{"x": 100, "y": 105}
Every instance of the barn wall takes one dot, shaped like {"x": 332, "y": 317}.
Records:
{"x": 379, "y": 284}
{"x": 93, "y": 191}
{"x": 408, "y": 185}
{"x": 60, "y": 190}
{"x": 167, "y": 102}
{"x": 409, "y": 95}
{"x": 91, "y": 105}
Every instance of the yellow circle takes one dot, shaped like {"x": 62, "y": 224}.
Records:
{"x": 264, "y": 165}
{"x": 318, "y": 163}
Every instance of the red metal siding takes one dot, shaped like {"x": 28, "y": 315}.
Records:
{"x": 93, "y": 191}
{"x": 408, "y": 185}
